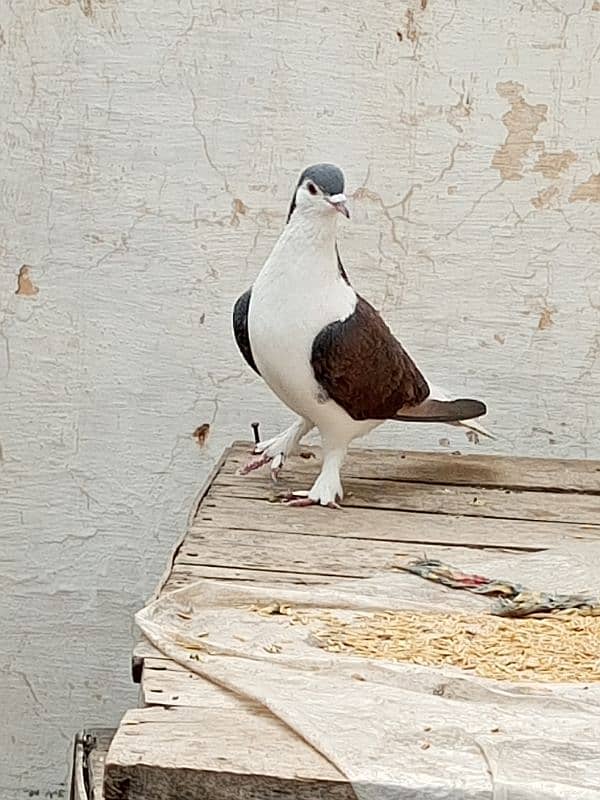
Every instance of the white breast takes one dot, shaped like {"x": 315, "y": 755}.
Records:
{"x": 298, "y": 292}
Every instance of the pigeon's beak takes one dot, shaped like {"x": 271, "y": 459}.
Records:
{"x": 338, "y": 201}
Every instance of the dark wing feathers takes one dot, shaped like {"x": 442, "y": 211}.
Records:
{"x": 443, "y": 411}
{"x": 364, "y": 368}
{"x": 240, "y": 328}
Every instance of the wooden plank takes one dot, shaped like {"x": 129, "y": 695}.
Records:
{"x": 330, "y": 555}
{"x": 164, "y": 682}
{"x": 225, "y": 512}
{"x": 201, "y": 753}
{"x": 431, "y": 498}
{"x": 182, "y": 574}
{"x": 572, "y": 475}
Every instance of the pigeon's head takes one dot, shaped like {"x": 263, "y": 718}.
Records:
{"x": 320, "y": 190}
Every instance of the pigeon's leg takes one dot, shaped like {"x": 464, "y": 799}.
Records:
{"x": 327, "y": 489}
{"x": 276, "y": 450}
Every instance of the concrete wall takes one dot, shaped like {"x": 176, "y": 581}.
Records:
{"x": 148, "y": 151}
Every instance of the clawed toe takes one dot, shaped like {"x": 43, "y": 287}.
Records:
{"x": 277, "y": 466}
{"x": 254, "y": 463}
{"x": 305, "y": 502}
{"x": 301, "y": 499}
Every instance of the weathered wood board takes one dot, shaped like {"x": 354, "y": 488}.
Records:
{"x": 194, "y": 740}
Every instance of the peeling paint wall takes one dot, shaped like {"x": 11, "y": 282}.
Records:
{"x": 148, "y": 153}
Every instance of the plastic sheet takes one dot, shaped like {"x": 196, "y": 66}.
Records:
{"x": 399, "y": 731}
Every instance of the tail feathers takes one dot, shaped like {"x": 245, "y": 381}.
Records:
{"x": 450, "y": 411}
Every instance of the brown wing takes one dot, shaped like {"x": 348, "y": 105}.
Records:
{"x": 364, "y": 368}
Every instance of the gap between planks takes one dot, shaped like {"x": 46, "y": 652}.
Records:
{"x": 426, "y": 498}
{"x": 231, "y": 513}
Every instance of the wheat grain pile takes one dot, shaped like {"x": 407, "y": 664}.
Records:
{"x": 559, "y": 647}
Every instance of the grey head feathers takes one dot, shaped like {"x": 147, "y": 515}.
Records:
{"x": 328, "y": 177}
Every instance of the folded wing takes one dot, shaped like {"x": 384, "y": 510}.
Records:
{"x": 364, "y": 368}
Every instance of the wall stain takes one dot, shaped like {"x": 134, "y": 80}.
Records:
{"x": 522, "y": 122}
{"x": 552, "y": 164}
{"x": 201, "y": 434}
{"x": 412, "y": 32}
{"x": 589, "y": 190}
{"x": 596, "y": 5}
{"x": 546, "y": 321}
{"x": 25, "y": 286}
{"x": 545, "y": 198}
{"x": 461, "y": 110}
{"x": 238, "y": 209}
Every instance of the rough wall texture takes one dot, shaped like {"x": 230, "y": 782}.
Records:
{"x": 148, "y": 152}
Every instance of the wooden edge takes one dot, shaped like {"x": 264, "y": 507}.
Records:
{"x": 237, "y": 749}
{"x": 197, "y": 502}
{"x": 137, "y": 661}
{"x": 150, "y": 782}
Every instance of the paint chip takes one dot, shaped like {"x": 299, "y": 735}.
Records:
{"x": 25, "y": 285}
{"x": 545, "y": 197}
{"x": 590, "y": 190}
{"x": 552, "y": 164}
{"x": 201, "y": 434}
{"x": 499, "y": 338}
{"x": 460, "y": 111}
{"x": 522, "y": 122}
{"x": 545, "y": 321}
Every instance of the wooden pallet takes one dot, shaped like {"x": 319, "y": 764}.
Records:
{"x": 191, "y": 739}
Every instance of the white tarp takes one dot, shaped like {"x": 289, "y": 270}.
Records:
{"x": 486, "y": 740}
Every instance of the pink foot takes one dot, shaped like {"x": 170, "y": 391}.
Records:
{"x": 296, "y": 500}
{"x": 254, "y": 463}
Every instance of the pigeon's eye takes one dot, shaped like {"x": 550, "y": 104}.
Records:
{"x": 311, "y": 188}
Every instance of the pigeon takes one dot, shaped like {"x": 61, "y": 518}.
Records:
{"x": 324, "y": 350}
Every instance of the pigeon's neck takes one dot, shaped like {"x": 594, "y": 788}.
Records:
{"x": 305, "y": 254}
{"x": 311, "y": 230}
